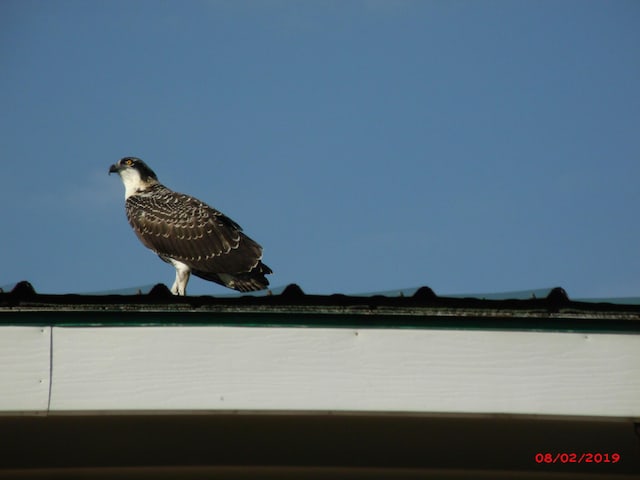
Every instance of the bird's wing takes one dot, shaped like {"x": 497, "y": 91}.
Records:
{"x": 183, "y": 228}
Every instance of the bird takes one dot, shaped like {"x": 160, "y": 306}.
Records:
{"x": 189, "y": 234}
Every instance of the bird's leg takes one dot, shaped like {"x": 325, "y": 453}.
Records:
{"x": 182, "y": 278}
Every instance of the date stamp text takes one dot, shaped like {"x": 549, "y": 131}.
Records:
{"x": 577, "y": 457}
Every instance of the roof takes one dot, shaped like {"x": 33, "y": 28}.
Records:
{"x": 415, "y": 370}
{"x": 293, "y": 307}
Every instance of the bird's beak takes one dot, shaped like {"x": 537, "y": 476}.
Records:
{"x": 114, "y": 169}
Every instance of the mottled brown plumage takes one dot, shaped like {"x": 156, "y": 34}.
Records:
{"x": 188, "y": 233}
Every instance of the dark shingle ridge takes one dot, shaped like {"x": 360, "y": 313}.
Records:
{"x": 24, "y": 294}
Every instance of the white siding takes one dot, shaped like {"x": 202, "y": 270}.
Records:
{"x": 24, "y": 368}
{"x": 247, "y": 368}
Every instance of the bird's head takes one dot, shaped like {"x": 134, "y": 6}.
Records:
{"x": 135, "y": 174}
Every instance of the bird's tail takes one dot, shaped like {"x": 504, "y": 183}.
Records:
{"x": 243, "y": 282}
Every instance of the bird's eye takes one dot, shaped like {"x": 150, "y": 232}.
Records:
{"x": 128, "y": 162}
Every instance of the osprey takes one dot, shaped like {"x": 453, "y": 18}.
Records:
{"x": 189, "y": 234}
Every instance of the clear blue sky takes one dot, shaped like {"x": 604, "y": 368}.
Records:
{"x": 472, "y": 146}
